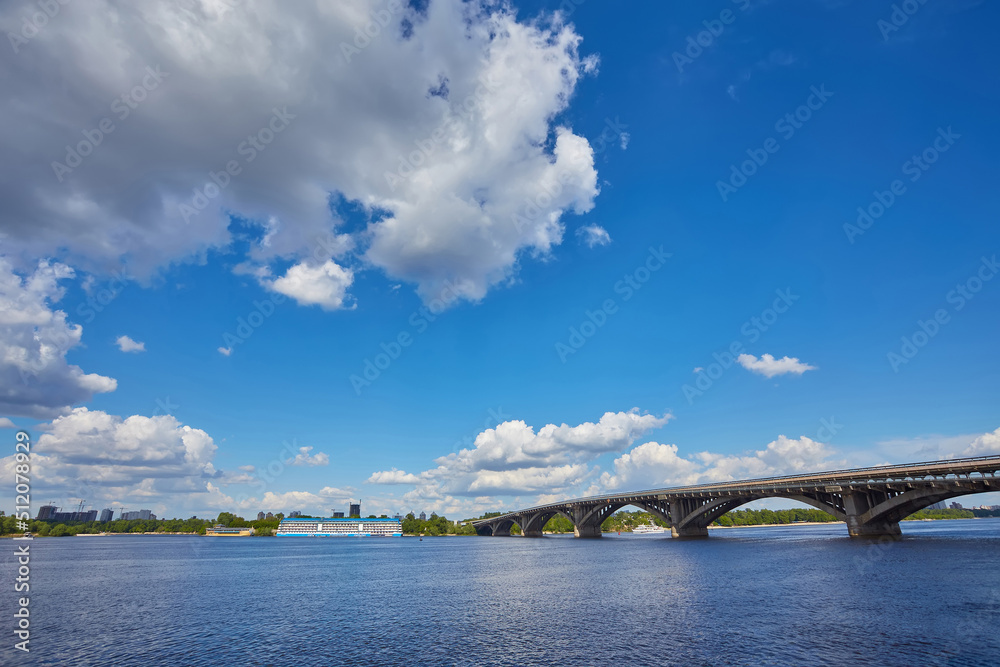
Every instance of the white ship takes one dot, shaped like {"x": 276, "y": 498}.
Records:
{"x": 353, "y": 527}
{"x": 648, "y": 529}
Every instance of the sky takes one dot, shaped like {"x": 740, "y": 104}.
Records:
{"x": 460, "y": 257}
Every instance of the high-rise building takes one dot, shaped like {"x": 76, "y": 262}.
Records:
{"x": 269, "y": 516}
{"x": 45, "y": 512}
{"x": 338, "y": 515}
{"x": 957, "y": 506}
{"x": 106, "y": 515}
{"x": 90, "y": 515}
{"x": 355, "y": 509}
{"x": 138, "y": 514}
{"x": 260, "y": 516}
{"x": 938, "y": 506}
{"x": 422, "y": 517}
{"x": 294, "y": 514}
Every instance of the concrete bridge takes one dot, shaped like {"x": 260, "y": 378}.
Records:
{"x": 871, "y": 501}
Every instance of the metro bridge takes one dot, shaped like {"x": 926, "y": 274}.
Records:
{"x": 871, "y": 501}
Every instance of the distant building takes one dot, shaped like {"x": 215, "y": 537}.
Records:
{"x": 260, "y": 516}
{"x": 397, "y": 516}
{"x": 45, "y": 512}
{"x": 957, "y": 506}
{"x": 938, "y": 506}
{"x": 294, "y": 514}
{"x": 338, "y": 515}
{"x": 134, "y": 515}
{"x": 268, "y": 516}
{"x": 422, "y": 517}
{"x": 106, "y": 515}
{"x": 62, "y": 517}
{"x": 355, "y": 510}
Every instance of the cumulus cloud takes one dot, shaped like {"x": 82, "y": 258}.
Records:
{"x": 652, "y": 465}
{"x": 513, "y": 458}
{"x": 304, "y": 458}
{"x": 35, "y": 377}
{"x": 593, "y": 235}
{"x": 769, "y": 367}
{"x": 287, "y": 501}
{"x": 6, "y": 423}
{"x": 324, "y": 285}
{"x": 102, "y": 458}
{"x": 442, "y": 131}
{"x": 225, "y": 351}
{"x": 393, "y": 476}
{"x": 985, "y": 444}
{"x": 126, "y": 344}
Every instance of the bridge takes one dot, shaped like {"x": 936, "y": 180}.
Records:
{"x": 871, "y": 501}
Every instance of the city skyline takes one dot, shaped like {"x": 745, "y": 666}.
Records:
{"x": 474, "y": 257}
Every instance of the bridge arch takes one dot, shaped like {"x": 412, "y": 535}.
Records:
{"x": 703, "y": 516}
{"x": 534, "y": 523}
{"x": 909, "y": 502}
{"x": 501, "y": 527}
{"x": 590, "y": 522}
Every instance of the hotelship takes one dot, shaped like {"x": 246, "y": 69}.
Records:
{"x": 353, "y": 527}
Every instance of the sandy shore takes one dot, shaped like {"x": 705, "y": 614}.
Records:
{"x": 797, "y": 523}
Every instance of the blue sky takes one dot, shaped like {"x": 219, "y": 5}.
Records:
{"x": 329, "y": 262}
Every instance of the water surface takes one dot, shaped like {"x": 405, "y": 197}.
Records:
{"x": 783, "y": 595}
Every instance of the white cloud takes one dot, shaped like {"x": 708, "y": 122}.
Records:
{"x": 937, "y": 446}
{"x": 101, "y": 458}
{"x": 593, "y": 235}
{"x": 652, "y": 465}
{"x": 780, "y": 457}
{"x": 527, "y": 480}
{"x": 126, "y": 344}
{"x": 287, "y": 501}
{"x": 458, "y": 186}
{"x": 648, "y": 465}
{"x": 225, "y": 351}
{"x": 512, "y": 458}
{"x": 514, "y": 445}
{"x": 324, "y": 285}
{"x": 34, "y": 341}
{"x": 303, "y": 458}
{"x": 769, "y": 367}
{"x": 6, "y": 423}
{"x": 986, "y": 444}
{"x": 393, "y": 476}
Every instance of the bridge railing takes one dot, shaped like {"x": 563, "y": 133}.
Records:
{"x": 850, "y": 475}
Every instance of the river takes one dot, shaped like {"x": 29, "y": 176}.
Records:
{"x": 780, "y": 595}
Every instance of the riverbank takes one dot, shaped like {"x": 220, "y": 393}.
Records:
{"x": 796, "y": 523}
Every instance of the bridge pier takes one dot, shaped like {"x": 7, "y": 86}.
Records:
{"x": 689, "y": 531}
{"x": 532, "y": 532}
{"x": 587, "y": 531}
{"x": 856, "y": 504}
{"x": 872, "y": 528}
